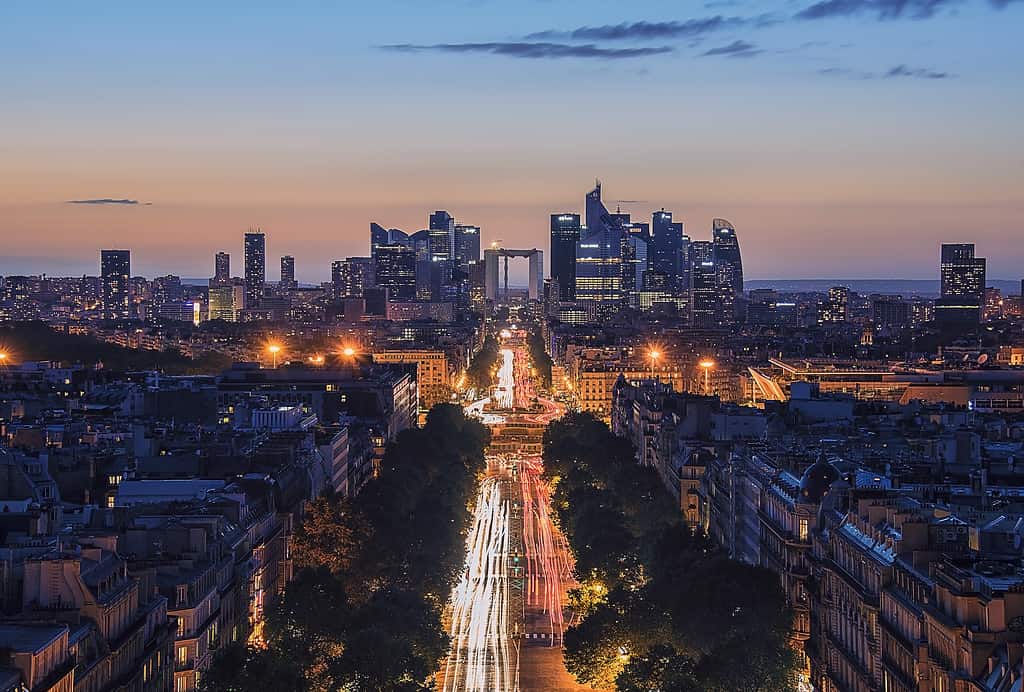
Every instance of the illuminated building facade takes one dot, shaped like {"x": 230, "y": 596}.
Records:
{"x": 221, "y": 269}
{"x": 255, "y": 267}
{"x": 288, "y": 272}
{"x": 115, "y": 274}
{"x": 962, "y": 279}
{"x": 565, "y": 234}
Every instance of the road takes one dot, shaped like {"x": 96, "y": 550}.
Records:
{"x": 485, "y": 651}
{"x": 507, "y": 613}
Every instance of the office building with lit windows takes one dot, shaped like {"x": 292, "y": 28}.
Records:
{"x": 962, "y": 285}
{"x": 394, "y": 268}
{"x": 705, "y": 298}
{"x": 115, "y": 275}
{"x": 666, "y": 250}
{"x": 255, "y": 267}
{"x": 221, "y": 269}
{"x": 565, "y": 235}
{"x": 288, "y": 272}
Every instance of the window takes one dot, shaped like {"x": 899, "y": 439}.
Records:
{"x": 803, "y": 530}
{"x": 182, "y": 656}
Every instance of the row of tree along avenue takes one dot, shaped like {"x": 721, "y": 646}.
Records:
{"x": 539, "y": 357}
{"x": 364, "y": 611}
{"x": 481, "y": 369}
{"x": 660, "y": 608}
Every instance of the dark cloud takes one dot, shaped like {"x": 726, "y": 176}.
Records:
{"x": 646, "y": 30}
{"x": 882, "y": 9}
{"x": 916, "y": 72}
{"x": 103, "y": 201}
{"x": 736, "y": 49}
{"x": 524, "y": 49}
{"x": 893, "y": 73}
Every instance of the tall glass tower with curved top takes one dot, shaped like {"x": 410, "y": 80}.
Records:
{"x": 727, "y": 254}
{"x": 728, "y": 266}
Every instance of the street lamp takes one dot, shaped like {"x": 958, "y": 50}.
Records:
{"x": 274, "y": 350}
{"x": 706, "y": 365}
{"x": 348, "y": 351}
{"x": 654, "y": 354}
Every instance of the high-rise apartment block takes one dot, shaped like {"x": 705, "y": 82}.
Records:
{"x": 255, "y": 267}
{"x": 115, "y": 274}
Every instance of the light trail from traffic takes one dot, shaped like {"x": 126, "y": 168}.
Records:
{"x": 487, "y": 626}
{"x": 484, "y": 656}
{"x": 549, "y": 564}
{"x": 505, "y": 391}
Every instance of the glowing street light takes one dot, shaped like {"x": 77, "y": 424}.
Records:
{"x": 348, "y": 351}
{"x": 654, "y": 354}
{"x": 706, "y": 364}
{"x": 274, "y": 350}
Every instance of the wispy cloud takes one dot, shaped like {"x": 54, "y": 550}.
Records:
{"x": 881, "y": 9}
{"x": 899, "y": 71}
{"x": 533, "y": 49}
{"x": 736, "y": 49}
{"x": 916, "y": 72}
{"x": 105, "y": 200}
{"x": 688, "y": 28}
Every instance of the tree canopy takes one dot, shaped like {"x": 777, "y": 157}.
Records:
{"x": 660, "y": 608}
{"x": 364, "y": 611}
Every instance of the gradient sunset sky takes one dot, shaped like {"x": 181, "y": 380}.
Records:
{"x": 843, "y": 138}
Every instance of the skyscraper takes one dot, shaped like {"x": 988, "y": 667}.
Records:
{"x": 599, "y": 265}
{"x": 705, "y": 295}
{"x": 255, "y": 267}
{"x": 962, "y": 279}
{"x": 565, "y": 234}
{"x": 420, "y": 241}
{"x": 394, "y": 268}
{"x": 221, "y": 269}
{"x": 442, "y": 237}
{"x": 634, "y": 266}
{"x": 467, "y": 245}
{"x": 666, "y": 248}
{"x": 609, "y": 255}
{"x": 596, "y": 214}
{"x": 115, "y": 275}
{"x": 727, "y": 254}
{"x": 352, "y": 276}
{"x": 834, "y": 309}
{"x": 729, "y": 266}
{"x": 288, "y": 272}
{"x": 386, "y": 236}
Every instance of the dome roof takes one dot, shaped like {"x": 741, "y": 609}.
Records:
{"x": 817, "y": 480}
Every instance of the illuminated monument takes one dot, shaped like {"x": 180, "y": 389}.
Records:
{"x": 491, "y": 283}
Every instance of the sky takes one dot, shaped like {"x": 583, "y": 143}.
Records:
{"x": 843, "y": 138}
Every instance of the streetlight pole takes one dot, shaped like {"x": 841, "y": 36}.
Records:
{"x": 654, "y": 355}
{"x": 707, "y": 365}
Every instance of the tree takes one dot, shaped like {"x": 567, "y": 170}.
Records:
{"x": 481, "y": 368}
{"x": 241, "y": 668}
{"x": 364, "y": 612}
{"x": 331, "y": 535}
{"x": 677, "y": 615}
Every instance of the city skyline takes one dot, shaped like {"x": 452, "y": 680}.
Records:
{"x": 318, "y": 271}
{"x": 883, "y": 127}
